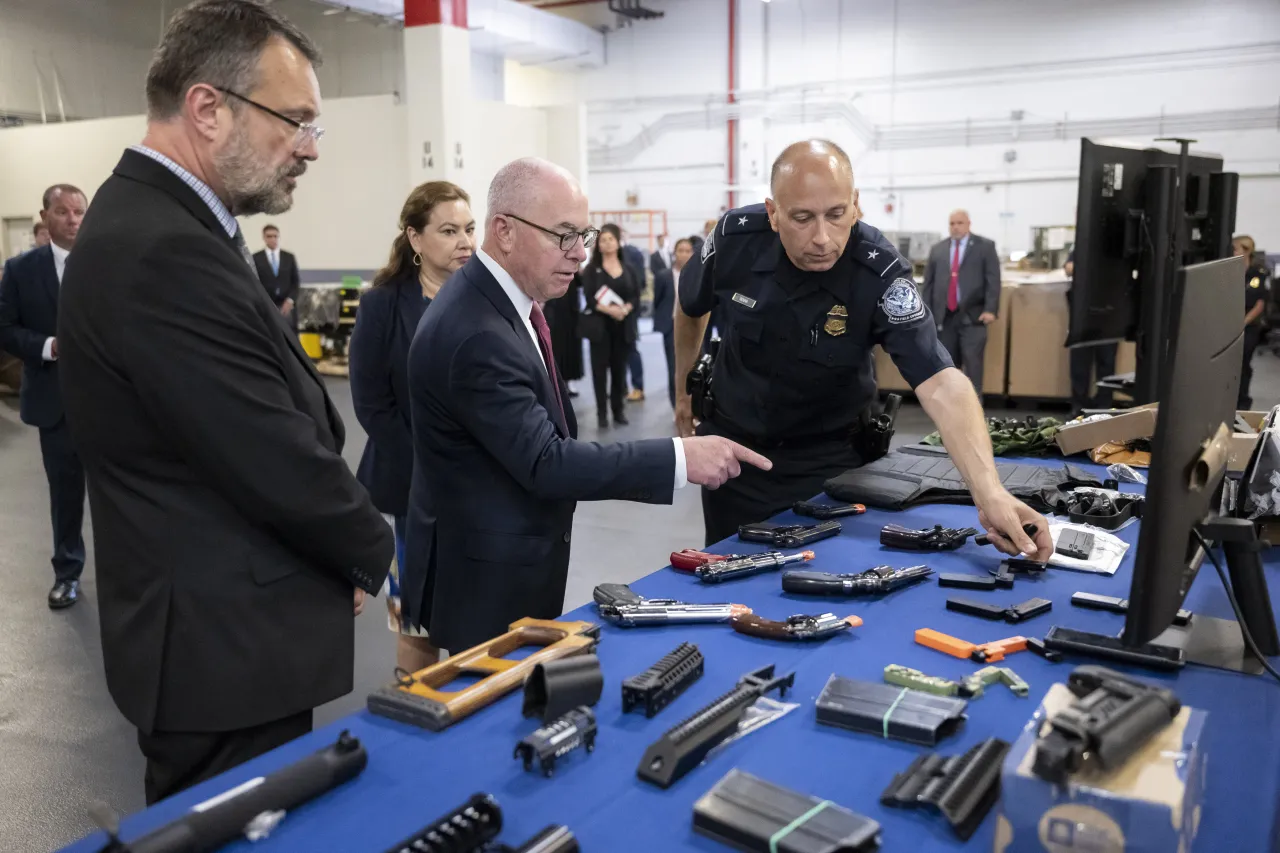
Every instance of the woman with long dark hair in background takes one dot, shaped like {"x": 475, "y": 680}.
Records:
{"x": 612, "y": 293}
{"x": 437, "y": 236}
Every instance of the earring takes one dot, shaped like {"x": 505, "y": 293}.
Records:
{"x": 417, "y": 259}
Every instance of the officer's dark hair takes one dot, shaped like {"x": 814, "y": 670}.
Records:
{"x": 216, "y": 42}
{"x": 46, "y": 200}
{"x": 597, "y": 257}
{"x": 267, "y": 228}
{"x": 788, "y": 153}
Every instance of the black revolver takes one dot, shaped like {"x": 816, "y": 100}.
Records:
{"x": 875, "y": 581}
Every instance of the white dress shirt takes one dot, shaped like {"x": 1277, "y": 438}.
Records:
{"x": 59, "y": 265}
{"x": 524, "y": 308}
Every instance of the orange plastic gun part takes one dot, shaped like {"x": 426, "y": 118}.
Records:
{"x": 992, "y": 652}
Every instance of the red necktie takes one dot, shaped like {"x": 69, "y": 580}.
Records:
{"x": 539, "y": 321}
{"x": 953, "y": 289}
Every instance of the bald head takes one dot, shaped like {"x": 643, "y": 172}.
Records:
{"x": 813, "y": 155}
{"x": 814, "y": 205}
{"x": 531, "y": 203}
{"x": 521, "y": 182}
{"x": 958, "y": 223}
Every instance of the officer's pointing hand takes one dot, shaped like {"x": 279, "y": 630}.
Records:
{"x": 711, "y": 460}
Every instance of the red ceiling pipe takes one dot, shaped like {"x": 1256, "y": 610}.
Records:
{"x": 733, "y": 98}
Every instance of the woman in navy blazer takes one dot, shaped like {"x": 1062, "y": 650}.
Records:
{"x": 437, "y": 236}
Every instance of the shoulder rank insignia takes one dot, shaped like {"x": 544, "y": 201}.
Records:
{"x": 837, "y": 321}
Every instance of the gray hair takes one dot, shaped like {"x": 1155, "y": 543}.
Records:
{"x": 217, "y": 42}
{"x": 520, "y": 181}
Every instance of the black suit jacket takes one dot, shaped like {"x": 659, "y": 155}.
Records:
{"x": 379, "y": 356}
{"x": 658, "y": 263}
{"x": 28, "y": 317}
{"x": 282, "y": 285}
{"x": 228, "y": 530}
{"x": 497, "y": 471}
{"x": 628, "y": 287}
{"x": 979, "y": 279}
{"x": 664, "y": 301}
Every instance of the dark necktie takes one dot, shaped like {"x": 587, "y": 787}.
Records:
{"x": 539, "y": 321}
{"x": 244, "y": 248}
{"x": 953, "y": 286}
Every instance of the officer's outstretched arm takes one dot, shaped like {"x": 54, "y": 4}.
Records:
{"x": 949, "y": 399}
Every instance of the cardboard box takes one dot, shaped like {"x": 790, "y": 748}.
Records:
{"x": 1139, "y": 422}
{"x": 1150, "y": 805}
{"x": 993, "y": 363}
{"x": 1242, "y": 443}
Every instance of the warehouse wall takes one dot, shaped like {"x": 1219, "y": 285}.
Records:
{"x": 98, "y": 51}
{"x": 845, "y": 70}
{"x": 346, "y": 206}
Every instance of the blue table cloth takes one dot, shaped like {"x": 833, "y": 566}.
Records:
{"x": 416, "y": 776}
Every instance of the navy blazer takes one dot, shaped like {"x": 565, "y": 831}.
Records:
{"x": 664, "y": 301}
{"x": 379, "y": 365}
{"x": 497, "y": 471}
{"x": 28, "y": 317}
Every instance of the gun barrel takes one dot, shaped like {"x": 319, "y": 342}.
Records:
{"x": 677, "y": 614}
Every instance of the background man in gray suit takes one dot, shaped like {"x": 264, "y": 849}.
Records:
{"x": 962, "y": 288}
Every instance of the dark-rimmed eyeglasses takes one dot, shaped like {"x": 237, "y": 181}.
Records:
{"x": 567, "y": 239}
{"x": 307, "y": 132}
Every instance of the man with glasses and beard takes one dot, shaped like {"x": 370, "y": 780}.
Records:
{"x": 233, "y": 544}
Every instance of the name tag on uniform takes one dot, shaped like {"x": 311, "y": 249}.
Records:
{"x": 744, "y": 300}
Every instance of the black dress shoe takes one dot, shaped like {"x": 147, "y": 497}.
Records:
{"x": 64, "y": 594}
{"x": 602, "y": 421}
{"x": 620, "y": 419}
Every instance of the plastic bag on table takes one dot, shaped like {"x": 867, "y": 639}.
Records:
{"x": 1108, "y": 550}
{"x": 762, "y": 713}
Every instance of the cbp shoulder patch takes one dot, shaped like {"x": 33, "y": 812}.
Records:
{"x": 901, "y": 302}
{"x": 708, "y": 246}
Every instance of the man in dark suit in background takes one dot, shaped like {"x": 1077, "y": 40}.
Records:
{"x": 661, "y": 259}
{"x": 29, "y": 293}
{"x": 664, "y": 306}
{"x": 633, "y": 257}
{"x": 497, "y": 469}
{"x": 233, "y": 544}
{"x": 962, "y": 288}
{"x": 278, "y": 272}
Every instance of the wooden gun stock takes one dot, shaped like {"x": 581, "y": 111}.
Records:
{"x": 418, "y": 698}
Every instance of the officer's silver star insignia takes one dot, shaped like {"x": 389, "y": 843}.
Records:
{"x": 742, "y": 220}
{"x": 872, "y": 254}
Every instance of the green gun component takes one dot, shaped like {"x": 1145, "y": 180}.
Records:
{"x": 1016, "y": 684}
{"x": 906, "y": 677}
{"x": 977, "y": 682}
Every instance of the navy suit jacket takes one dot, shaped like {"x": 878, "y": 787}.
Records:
{"x": 379, "y": 362}
{"x": 29, "y": 316}
{"x": 664, "y": 301}
{"x": 497, "y": 470}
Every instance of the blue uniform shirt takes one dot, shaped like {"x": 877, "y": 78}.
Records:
{"x": 795, "y": 358}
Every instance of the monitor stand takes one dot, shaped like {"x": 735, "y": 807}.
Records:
{"x": 1207, "y": 640}
{"x": 1218, "y": 643}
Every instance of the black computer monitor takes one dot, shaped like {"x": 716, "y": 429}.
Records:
{"x": 1140, "y": 213}
{"x": 1201, "y": 381}
{"x": 1197, "y": 406}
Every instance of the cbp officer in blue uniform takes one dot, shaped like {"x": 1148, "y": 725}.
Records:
{"x": 806, "y": 290}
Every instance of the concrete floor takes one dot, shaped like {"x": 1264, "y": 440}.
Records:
{"x": 62, "y": 741}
